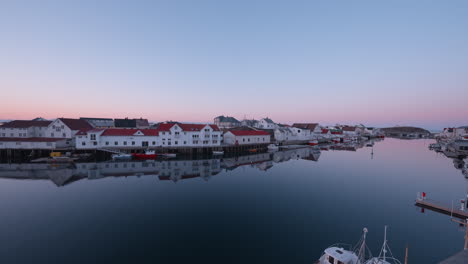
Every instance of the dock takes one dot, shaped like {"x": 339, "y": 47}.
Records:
{"x": 459, "y": 258}
{"x": 441, "y": 208}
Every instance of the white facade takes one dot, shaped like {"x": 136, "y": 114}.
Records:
{"x": 58, "y": 129}
{"x": 117, "y": 139}
{"x": 246, "y": 137}
{"x": 266, "y": 123}
{"x": 285, "y": 134}
{"x": 189, "y": 135}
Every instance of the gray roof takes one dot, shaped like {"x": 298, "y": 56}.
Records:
{"x": 268, "y": 120}
{"x": 229, "y": 119}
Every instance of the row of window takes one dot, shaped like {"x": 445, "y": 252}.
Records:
{"x": 248, "y": 140}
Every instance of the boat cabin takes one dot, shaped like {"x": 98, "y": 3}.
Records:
{"x": 335, "y": 255}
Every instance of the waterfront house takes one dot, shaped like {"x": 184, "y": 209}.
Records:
{"x": 189, "y": 135}
{"x": 245, "y": 137}
{"x": 249, "y": 123}
{"x": 351, "y": 131}
{"x": 99, "y": 122}
{"x": 313, "y": 127}
{"x": 117, "y": 138}
{"x": 266, "y": 123}
{"x": 24, "y": 129}
{"x": 226, "y": 122}
{"x": 66, "y": 128}
{"x": 292, "y": 134}
{"x": 462, "y": 132}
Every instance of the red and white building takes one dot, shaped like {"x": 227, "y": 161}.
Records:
{"x": 246, "y": 137}
{"x": 189, "y": 135}
{"x": 24, "y": 129}
{"x": 117, "y": 138}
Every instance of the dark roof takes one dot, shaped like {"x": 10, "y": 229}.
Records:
{"x": 349, "y": 128}
{"x": 310, "y": 126}
{"x": 125, "y": 122}
{"x": 76, "y": 124}
{"x": 96, "y": 118}
{"x": 33, "y": 139}
{"x": 227, "y": 119}
{"x": 142, "y": 122}
{"x": 26, "y": 124}
{"x": 268, "y": 120}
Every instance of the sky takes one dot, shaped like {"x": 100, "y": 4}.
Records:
{"x": 378, "y": 63}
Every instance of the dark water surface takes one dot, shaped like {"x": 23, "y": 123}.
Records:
{"x": 273, "y": 209}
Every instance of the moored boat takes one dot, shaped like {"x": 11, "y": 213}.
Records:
{"x": 337, "y": 254}
{"x": 121, "y": 156}
{"x": 149, "y": 154}
{"x": 383, "y": 258}
{"x": 168, "y": 155}
{"x": 218, "y": 152}
{"x": 313, "y": 142}
{"x": 272, "y": 147}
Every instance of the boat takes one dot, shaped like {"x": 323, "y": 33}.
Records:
{"x": 273, "y": 147}
{"x": 336, "y": 140}
{"x": 121, "y": 156}
{"x": 149, "y": 154}
{"x": 383, "y": 258}
{"x": 218, "y": 152}
{"x": 347, "y": 140}
{"x": 252, "y": 150}
{"x": 337, "y": 254}
{"x": 313, "y": 142}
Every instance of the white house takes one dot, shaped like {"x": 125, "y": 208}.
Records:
{"x": 245, "y": 137}
{"x": 189, "y": 135}
{"x": 266, "y": 123}
{"x": 351, "y": 131}
{"x": 249, "y": 123}
{"x": 285, "y": 134}
{"x": 117, "y": 138}
{"x": 66, "y": 128}
{"x": 24, "y": 129}
{"x": 313, "y": 127}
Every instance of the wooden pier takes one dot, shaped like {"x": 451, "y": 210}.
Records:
{"x": 438, "y": 207}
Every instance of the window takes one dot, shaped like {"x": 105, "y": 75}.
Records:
{"x": 49, "y": 144}
{"x": 83, "y": 143}
{"x": 93, "y": 136}
{"x": 3, "y": 134}
{"x": 185, "y": 142}
{"x": 125, "y": 143}
{"x": 207, "y": 136}
{"x": 116, "y": 143}
{"x": 195, "y": 142}
{"x": 18, "y": 143}
{"x": 205, "y": 141}
{"x": 177, "y": 133}
{"x": 175, "y": 142}
{"x": 144, "y": 143}
{"x": 95, "y": 143}
{"x": 133, "y": 143}
{"x": 248, "y": 139}
{"x": 12, "y": 135}
{"x": 331, "y": 259}
{"x": 207, "y": 130}
{"x": 263, "y": 139}
{"x": 215, "y": 141}
{"x": 195, "y": 136}
{"x": 154, "y": 143}
{"x": 243, "y": 140}
{"x": 64, "y": 135}
{"x": 51, "y": 134}
{"x": 63, "y": 126}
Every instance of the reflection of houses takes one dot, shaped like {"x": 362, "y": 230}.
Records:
{"x": 295, "y": 154}
{"x": 458, "y": 152}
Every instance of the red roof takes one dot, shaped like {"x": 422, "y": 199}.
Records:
{"x": 129, "y": 132}
{"x": 249, "y": 133}
{"x": 76, "y": 124}
{"x": 26, "y": 124}
{"x": 33, "y": 139}
{"x": 187, "y": 127}
{"x": 324, "y": 131}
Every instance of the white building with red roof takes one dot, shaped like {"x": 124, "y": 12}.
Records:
{"x": 24, "y": 129}
{"x": 189, "y": 135}
{"x": 33, "y": 143}
{"x": 117, "y": 138}
{"x": 246, "y": 137}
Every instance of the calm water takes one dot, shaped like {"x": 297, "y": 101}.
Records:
{"x": 263, "y": 208}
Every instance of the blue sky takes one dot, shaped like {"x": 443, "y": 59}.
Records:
{"x": 372, "y": 62}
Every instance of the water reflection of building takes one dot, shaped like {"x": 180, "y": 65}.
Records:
{"x": 458, "y": 152}
{"x": 173, "y": 170}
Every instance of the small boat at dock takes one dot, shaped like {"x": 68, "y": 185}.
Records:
{"x": 344, "y": 254}
{"x": 148, "y": 155}
{"x": 121, "y": 156}
{"x": 272, "y": 147}
{"x": 313, "y": 142}
{"x": 383, "y": 258}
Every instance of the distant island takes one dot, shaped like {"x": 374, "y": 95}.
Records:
{"x": 406, "y": 132}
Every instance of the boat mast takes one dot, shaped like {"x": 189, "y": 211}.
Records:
{"x": 384, "y": 247}
{"x": 362, "y": 249}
